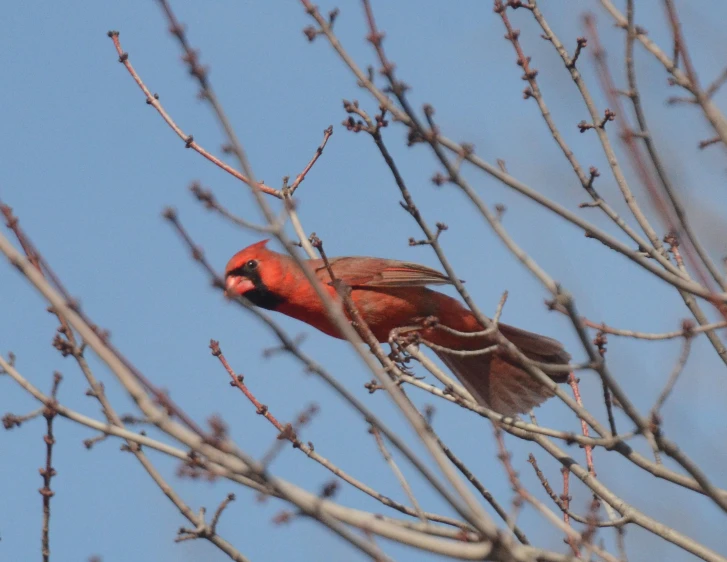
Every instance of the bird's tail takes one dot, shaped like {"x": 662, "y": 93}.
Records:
{"x": 498, "y": 382}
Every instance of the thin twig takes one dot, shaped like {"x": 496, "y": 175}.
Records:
{"x": 484, "y": 492}
{"x": 208, "y": 199}
{"x": 397, "y": 472}
{"x": 300, "y": 177}
{"x": 671, "y": 381}
{"x": 651, "y": 335}
{"x": 12, "y": 420}
{"x": 48, "y": 472}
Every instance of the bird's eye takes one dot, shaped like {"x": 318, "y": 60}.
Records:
{"x": 252, "y": 264}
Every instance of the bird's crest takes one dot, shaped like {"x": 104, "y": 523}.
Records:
{"x": 259, "y": 245}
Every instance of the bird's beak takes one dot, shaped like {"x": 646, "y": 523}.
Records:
{"x": 237, "y": 285}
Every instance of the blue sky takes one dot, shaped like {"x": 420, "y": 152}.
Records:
{"x": 88, "y": 167}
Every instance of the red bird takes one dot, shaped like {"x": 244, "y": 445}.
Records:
{"x": 391, "y": 294}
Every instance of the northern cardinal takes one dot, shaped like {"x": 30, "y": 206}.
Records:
{"x": 392, "y": 294}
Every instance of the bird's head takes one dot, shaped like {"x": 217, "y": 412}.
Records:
{"x": 250, "y": 272}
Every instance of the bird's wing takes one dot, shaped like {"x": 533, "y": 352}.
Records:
{"x": 377, "y": 272}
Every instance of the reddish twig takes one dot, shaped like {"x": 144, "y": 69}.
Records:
{"x": 573, "y": 382}
{"x": 189, "y": 142}
{"x": 566, "y": 498}
{"x": 286, "y": 431}
{"x": 300, "y": 177}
